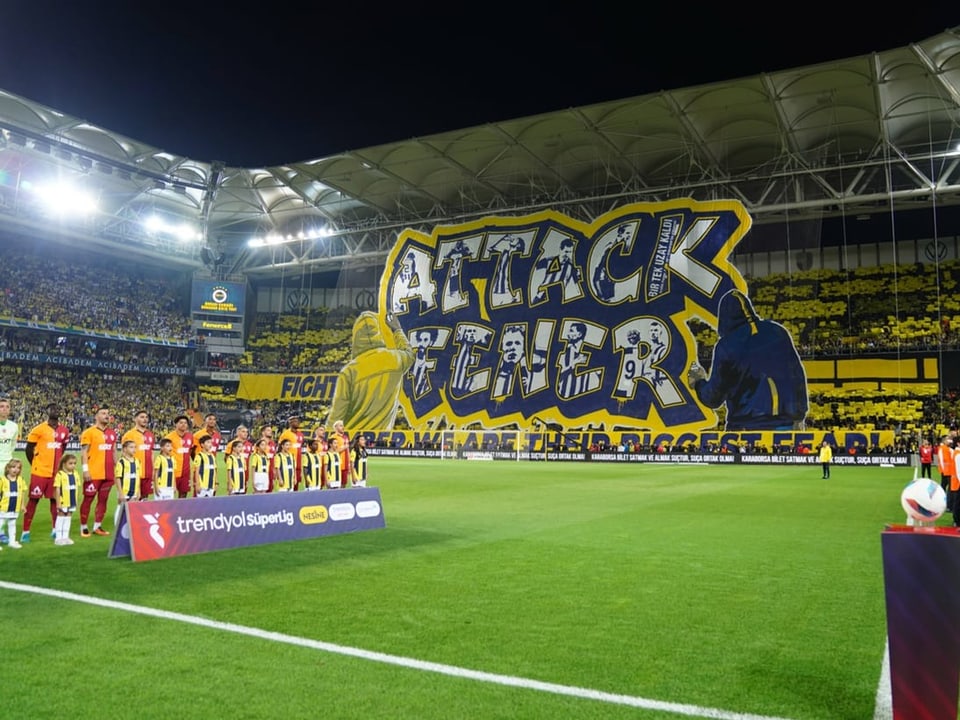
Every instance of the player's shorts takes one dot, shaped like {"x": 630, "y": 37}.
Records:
{"x": 146, "y": 488}
{"x": 41, "y": 487}
{"x": 92, "y": 487}
{"x": 313, "y": 487}
{"x": 205, "y": 492}
{"x": 360, "y": 483}
{"x": 261, "y": 481}
{"x": 9, "y": 516}
{"x": 66, "y": 510}
{"x": 333, "y": 484}
{"x": 183, "y": 484}
{"x": 164, "y": 493}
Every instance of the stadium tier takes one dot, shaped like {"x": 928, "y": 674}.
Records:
{"x": 121, "y": 336}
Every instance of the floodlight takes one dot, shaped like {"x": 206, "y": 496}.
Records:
{"x": 64, "y": 199}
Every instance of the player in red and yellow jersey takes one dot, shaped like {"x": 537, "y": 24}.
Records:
{"x": 44, "y": 449}
{"x": 97, "y": 445}
{"x": 182, "y": 441}
{"x": 210, "y": 429}
{"x": 143, "y": 437}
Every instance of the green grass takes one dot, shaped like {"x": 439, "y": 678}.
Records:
{"x": 752, "y": 590}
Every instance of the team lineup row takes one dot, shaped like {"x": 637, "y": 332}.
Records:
{"x": 187, "y": 463}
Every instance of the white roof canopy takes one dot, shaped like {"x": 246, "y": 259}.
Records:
{"x": 851, "y": 136}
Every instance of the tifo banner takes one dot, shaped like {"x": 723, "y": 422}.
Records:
{"x": 845, "y": 442}
{"x": 167, "y": 528}
{"x": 513, "y": 319}
{"x": 286, "y": 388}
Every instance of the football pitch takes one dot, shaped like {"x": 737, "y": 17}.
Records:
{"x": 496, "y": 590}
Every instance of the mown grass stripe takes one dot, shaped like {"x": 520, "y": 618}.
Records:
{"x": 405, "y": 662}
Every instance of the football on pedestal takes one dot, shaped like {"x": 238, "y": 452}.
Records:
{"x": 923, "y": 500}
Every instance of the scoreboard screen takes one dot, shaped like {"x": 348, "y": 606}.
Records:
{"x": 213, "y": 297}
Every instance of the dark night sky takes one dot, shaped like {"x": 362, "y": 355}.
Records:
{"x": 271, "y": 85}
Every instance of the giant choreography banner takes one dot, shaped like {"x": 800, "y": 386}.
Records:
{"x": 543, "y": 318}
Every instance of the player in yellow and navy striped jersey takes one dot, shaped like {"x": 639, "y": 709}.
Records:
{"x": 333, "y": 462}
{"x": 13, "y": 493}
{"x": 205, "y": 469}
{"x": 358, "y": 457}
{"x": 165, "y": 472}
{"x": 284, "y": 468}
{"x": 236, "y": 469}
{"x": 313, "y": 466}
{"x": 68, "y": 484}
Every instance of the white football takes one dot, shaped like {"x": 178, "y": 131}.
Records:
{"x": 924, "y": 500}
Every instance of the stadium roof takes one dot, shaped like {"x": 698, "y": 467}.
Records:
{"x": 849, "y": 137}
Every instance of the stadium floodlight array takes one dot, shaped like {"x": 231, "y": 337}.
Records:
{"x": 182, "y": 231}
{"x": 65, "y": 200}
{"x": 279, "y": 239}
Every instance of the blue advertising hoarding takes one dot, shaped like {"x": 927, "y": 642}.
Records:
{"x": 157, "y": 529}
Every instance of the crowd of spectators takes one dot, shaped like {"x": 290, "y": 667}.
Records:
{"x": 51, "y": 342}
{"x": 103, "y": 297}
{"x": 79, "y": 394}
{"x": 317, "y": 340}
{"x": 836, "y": 313}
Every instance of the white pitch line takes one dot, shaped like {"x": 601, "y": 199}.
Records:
{"x": 405, "y": 662}
{"x": 883, "y": 707}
